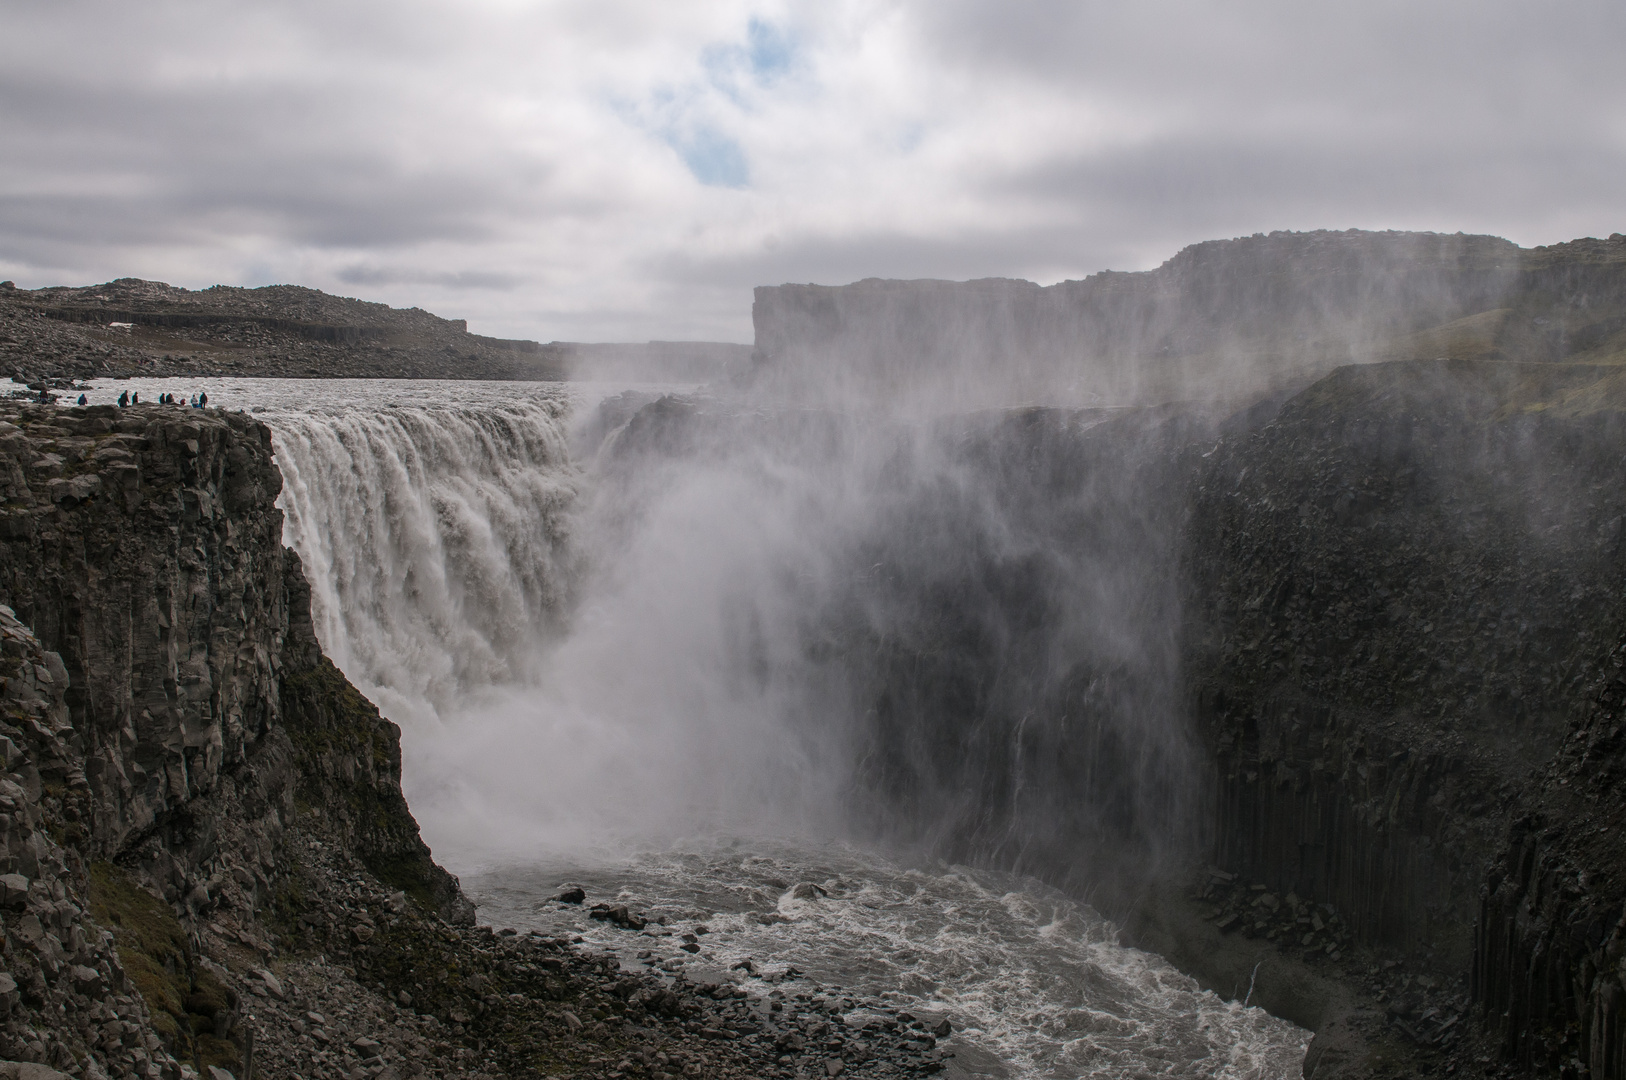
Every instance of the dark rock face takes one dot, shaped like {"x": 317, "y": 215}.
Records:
{"x": 1404, "y": 595}
{"x": 1390, "y": 608}
{"x": 187, "y": 726}
{"x": 154, "y": 566}
{"x": 1401, "y": 595}
{"x": 65, "y": 988}
{"x": 185, "y": 629}
{"x": 349, "y": 762}
{"x": 1550, "y": 937}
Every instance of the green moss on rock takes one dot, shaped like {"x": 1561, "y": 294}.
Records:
{"x": 152, "y": 947}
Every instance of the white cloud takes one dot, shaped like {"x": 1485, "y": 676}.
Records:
{"x": 616, "y": 170}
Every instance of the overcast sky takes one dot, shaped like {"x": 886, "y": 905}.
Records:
{"x": 629, "y": 169}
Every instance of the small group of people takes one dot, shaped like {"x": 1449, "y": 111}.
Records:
{"x": 199, "y": 400}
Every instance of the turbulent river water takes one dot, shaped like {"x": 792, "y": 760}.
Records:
{"x": 579, "y": 704}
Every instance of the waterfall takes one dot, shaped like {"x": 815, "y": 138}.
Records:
{"x": 577, "y": 657}
{"x": 740, "y": 619}
{"x": 436, "y": 541}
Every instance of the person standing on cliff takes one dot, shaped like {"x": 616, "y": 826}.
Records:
{"x": 124, "y": 399}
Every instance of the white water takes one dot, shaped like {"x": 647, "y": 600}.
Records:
{"x": 574, "y": 677}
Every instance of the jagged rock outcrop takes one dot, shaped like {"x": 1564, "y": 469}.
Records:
{"x": 1550, "y": 940}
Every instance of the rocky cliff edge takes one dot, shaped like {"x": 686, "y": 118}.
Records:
{"x": 207, "y": 868}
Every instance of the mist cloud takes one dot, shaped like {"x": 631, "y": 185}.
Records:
{"x": 630, "y": 169}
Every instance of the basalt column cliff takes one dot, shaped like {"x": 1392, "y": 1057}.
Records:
{"x": 170, "y": 719}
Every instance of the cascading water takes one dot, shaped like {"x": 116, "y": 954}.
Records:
{"x": 682, "y": 668}
{"x": 435, "y": 540}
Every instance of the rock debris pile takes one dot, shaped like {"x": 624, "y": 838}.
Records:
{"x": 1255, "y": 911}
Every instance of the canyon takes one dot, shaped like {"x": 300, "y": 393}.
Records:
{"x": 1311, "y": 678}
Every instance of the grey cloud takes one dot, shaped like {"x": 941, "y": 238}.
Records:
{"x": 151, "y": 166}
{"x": 1201, "y": 185}
{"x": 1463, "y": 51}
{"x": 457, "y": 279}
{"x": 1496, "y": 116}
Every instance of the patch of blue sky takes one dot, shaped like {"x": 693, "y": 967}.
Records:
{"x": 715, "y": 159}
{"x": 770, "y": 48}
{"x": 769, "y": 52}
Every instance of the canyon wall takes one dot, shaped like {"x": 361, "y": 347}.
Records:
{"x": 1401, "y": 595}
{"x": 1352, "y": 654}
{"x": 195, "y": 722}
